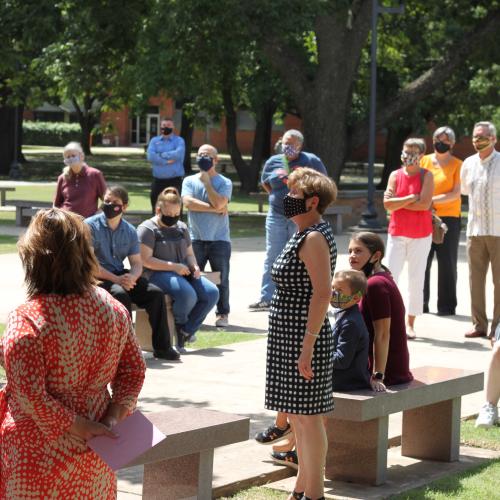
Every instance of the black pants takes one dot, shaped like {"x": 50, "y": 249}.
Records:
{"x": 150, "y": 297}
{"x": 447, "y": 255}
{"x": 158, "y": 185}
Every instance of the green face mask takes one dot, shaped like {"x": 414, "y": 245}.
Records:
{"x": 481, "y": 144}
{"x": 339, "y": 300}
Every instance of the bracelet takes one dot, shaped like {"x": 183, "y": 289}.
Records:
{"x": 315, "y": 335}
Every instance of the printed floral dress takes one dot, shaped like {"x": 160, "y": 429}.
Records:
{"x": 60, "y": 353}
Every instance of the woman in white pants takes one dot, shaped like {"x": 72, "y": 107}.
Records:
{"x": 408, "y": 198}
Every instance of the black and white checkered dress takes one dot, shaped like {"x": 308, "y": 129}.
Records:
{"x": 286, "y": 390}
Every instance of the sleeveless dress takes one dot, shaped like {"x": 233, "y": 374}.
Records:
{"x": 286, "y": 390}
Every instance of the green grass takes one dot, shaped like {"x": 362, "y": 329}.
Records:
{"x": 7, "y": 218}
{"x": 208, "y": 339}
{"x": 8, "y": 244}
{"x": 258, "y": 493}
{"x": 479, "y": 438}
{"x": 478, "y": 483}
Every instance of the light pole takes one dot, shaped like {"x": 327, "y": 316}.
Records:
{"x": 15, "y": 171}
{"x": 369, "y": 218}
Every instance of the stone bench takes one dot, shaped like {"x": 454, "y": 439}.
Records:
{"x": 181, "y": 466}
{"x": 3, "y": 191}
{"x": 143, "y": 328}
{"x": 26, "y": 209}
{"x": 357, "y": 429}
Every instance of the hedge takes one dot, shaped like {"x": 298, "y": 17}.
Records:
{"x": 50, "y": 133}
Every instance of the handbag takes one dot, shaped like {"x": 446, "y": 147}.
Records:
{"x": 439, "y": 228}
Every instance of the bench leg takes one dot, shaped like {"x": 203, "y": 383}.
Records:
{"x": 339, "y": 224}
{"x": 432, "y": 432}
{"x": 143, "y": 330}
{"x": 357, "y": 451}
{"x": 187, "y": 477}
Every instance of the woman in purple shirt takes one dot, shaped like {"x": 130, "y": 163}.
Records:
{"x": 79, "y": 187}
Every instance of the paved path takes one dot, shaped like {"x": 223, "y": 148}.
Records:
{"x": 231, "y": 378}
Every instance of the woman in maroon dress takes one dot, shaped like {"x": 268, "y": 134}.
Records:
{"x": 383, "y": 311}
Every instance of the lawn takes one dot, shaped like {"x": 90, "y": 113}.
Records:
{"x": 8, "y": 244}
{"x": 207, "y": 339}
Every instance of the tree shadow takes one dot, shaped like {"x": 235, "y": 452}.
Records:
{"x": 451, "y": 344}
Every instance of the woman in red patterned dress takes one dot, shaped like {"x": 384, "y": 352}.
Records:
{"x": 60, "y": 351}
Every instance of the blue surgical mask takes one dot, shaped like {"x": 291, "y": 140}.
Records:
{"x": 205, "y": 163}
{"x": 72, "y": 160}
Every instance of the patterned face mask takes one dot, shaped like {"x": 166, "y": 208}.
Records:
{"x": 294, "y": 206}
{"x": 289, "y": 151}
{"x": 481, "y": 143}
{"x": 72, "y": 160}
{"x": 339, "y": 300}
{"x": 409, "y": 158}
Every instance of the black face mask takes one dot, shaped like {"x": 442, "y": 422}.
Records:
{"x": 441, "y": 147}
{"x": 368, "y": 267}
{"x": 294, "y": 206}
{"x": 205, "y": 163}
{"x": 166, "y": 130}
{"x": 169, "y": 220}
{"x": 111, "y": 210}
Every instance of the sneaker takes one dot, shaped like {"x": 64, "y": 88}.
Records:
{"x": 288, "y": 458}
{"x": 191, "y": 339}
{"x": 181, "y": 349}
{"x": 170, "y": 354}
{"x": 488, "y": 416}
{"x": 222, "y": 320}
{"x": 261, "y": 305}
{"x": 272, "y": 434}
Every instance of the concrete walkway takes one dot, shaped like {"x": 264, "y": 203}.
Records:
{"x": 231, "y": 378}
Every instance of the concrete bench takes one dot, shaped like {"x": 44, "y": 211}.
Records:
{"x": 261, "y": 198}
{"x": 357, "y": 429}
{"x": 333, "y": 214}
{"x": 3, "y": 191}
{"x": 181, "y": 466}
{"x": 143, "y": 328}
{"x": 26, "y": 209}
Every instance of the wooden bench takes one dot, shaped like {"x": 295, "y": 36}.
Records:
{"x": 25, "y": 209}
{"x": 3, "y": 191}
{"x": 181, "y": 466}
{"x": 357, "y": 429}
{"x": 143, "y": 328}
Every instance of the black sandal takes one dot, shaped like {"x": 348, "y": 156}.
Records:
{"x": 297, "y": 495}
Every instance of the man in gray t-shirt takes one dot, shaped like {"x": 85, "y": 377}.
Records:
{"x": 206, "y": 196}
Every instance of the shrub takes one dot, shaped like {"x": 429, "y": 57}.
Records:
{"x": 50, "y": 133}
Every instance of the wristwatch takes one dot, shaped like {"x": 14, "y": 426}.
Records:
{"x": 378, "y": 376}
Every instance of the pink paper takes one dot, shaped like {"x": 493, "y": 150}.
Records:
{"x": 136, "y": 434}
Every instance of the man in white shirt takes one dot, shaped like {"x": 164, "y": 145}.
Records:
{"x": 480, "y": 178}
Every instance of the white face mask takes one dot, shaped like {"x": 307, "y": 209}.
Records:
{"x": 72, "y": 160}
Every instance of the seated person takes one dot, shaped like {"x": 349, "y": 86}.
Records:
{"x": 113, "y": 239}
{"x": 350, "y": 335}
{"x": 170, "y": 264}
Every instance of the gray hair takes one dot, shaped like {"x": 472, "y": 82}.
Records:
{"x": 294, "y": 133}
{"x": 491, "y": 128}
{"x": 73, "y": 146}
{"x": 444, "y": 130}
{"x": 416, "y": 142}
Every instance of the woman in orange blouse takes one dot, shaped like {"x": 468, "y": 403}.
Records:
{"x": 447, "y": 204}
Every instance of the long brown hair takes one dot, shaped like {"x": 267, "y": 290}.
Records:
{"x": 57, "y": 255}
{"x": 373, "y": 242}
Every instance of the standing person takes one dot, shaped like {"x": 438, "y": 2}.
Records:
{"x": 446, "y": 201}
{"x": 79, "y": 187}
{"x": 383, "y": 310}
{"x": 113, "y": 240}
{"x": 300, "y": 343}
{"x": 408, "y": 197}
{"x": 170, "y": 263}
{"x": 278, "y": 228}
{"x": 61, "y": 351}
{"x": 166, "y": 154}
{"x": 481, "y": 182}
{"x": 206, "y": 196}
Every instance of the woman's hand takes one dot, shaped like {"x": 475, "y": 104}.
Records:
{"x": 87, "y": 429}
{"x": 377, "y": 385}
{"x": 304, "y": 363}
{"x": 196, "y": 273}
{"x": 181, "y": 269}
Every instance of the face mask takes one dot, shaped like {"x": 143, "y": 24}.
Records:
{"x": 409, "y": 158}
{"x": 481, "y": 144}
{"x": 368, "y": 267}
{"x": 111, "y": 210}
{"x": 72, "y": 160}
{"x": 166, "y": 130}
{"x": 289, "y": 151}
{"x": 441, "y": 147}
{"x": 205, "y": 163}
{"x": 170, "y": 220}
{"x": 294, "y": 206}
{"x": 339, "y": 300}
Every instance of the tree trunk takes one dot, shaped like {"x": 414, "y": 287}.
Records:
{"x": 6, "y": 138}
{"x": 87, "y": 120}
{"x": 20, "y": 119}
{"x": 187, "y": 129}
{"x": 394, "y": 145}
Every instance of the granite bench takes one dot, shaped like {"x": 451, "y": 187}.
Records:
{"x": 26, "y": 209}
{"x": 357, "y": 429}
{"x": 3, "y": 191}
{"x": 143, "y": 328}
{"x": 181, "y": 466}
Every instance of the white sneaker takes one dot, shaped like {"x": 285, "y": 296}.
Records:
{"x": 488, "y": 416}
{"x": 222, "y": 321}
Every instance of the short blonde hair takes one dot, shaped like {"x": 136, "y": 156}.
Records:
{"x": 169, "y": 195}
{"x": 416, "y": 142}
{"x": 314, "y": 183}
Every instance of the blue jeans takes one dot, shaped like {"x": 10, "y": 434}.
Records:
{"x": 193, "y": 298}
{"x": 279, "y": 230}
{"x": 218, "y": 253}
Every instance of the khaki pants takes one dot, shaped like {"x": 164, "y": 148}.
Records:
{"x": 481, "y": 251}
